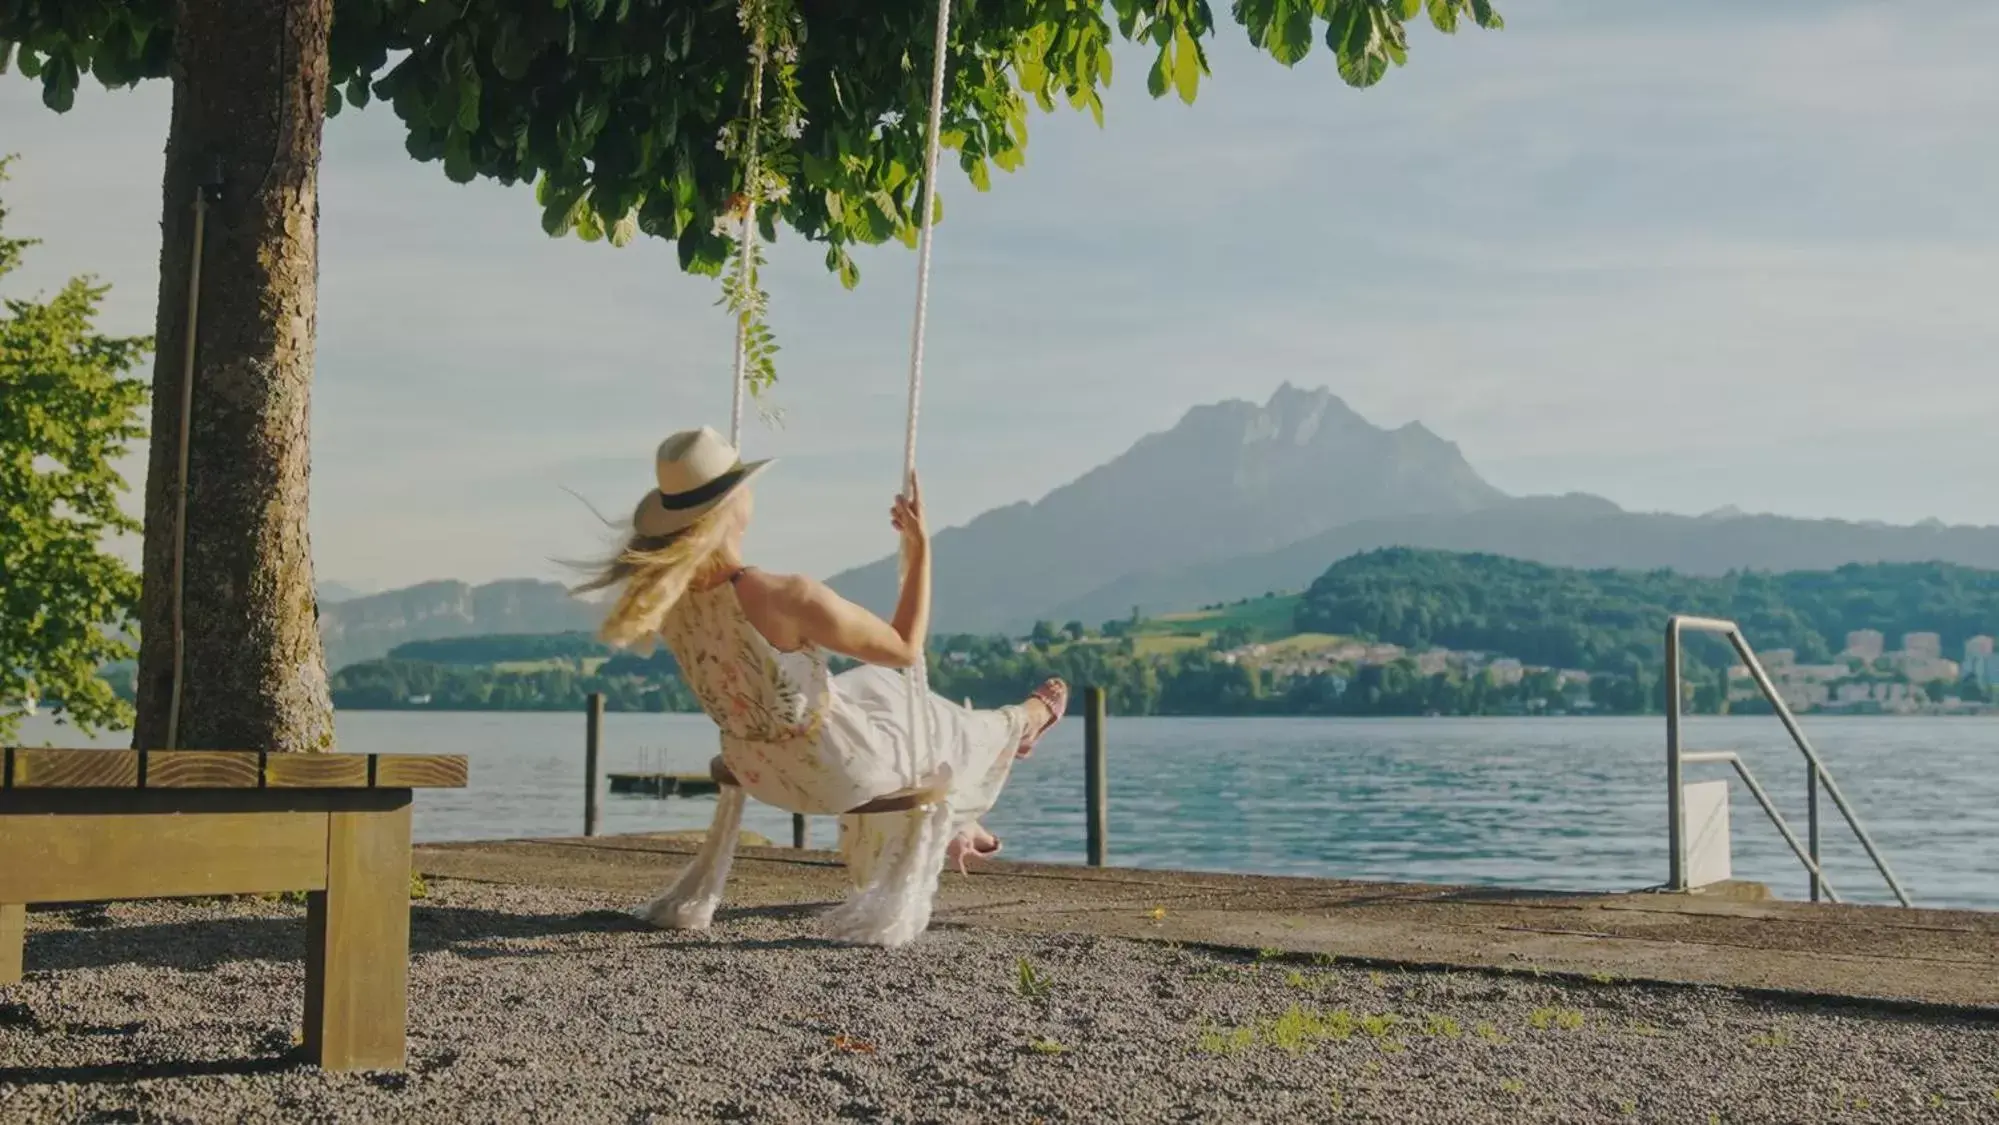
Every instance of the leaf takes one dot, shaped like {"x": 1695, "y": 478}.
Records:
{"x": 1483, "y": 14}
{"x": 468, "y": 100}
{"x": 333, "y": 101}
{"x": 513, "y": 52}
{"x": 1161, "y": 75}
{"x": 357, "y": 92}
{"x": 59, "y": 83}
{"x": 432, "y": 17}
{"x": 625, "y": 229}
{"x": 1350, "y": 30}
{"x": 1256, "y": 16}
{"x": 1187, "y": 64}
{"x": 559, "y": 210}
{"x": 1443, "y": 15}
{"x": 458, "y": 163}
{"x": 842, "y": 263}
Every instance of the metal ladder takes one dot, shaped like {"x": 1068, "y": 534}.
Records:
{"x": 1815, "y": 774}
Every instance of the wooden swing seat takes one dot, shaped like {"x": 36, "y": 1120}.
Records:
{"x": 902, "y": 800}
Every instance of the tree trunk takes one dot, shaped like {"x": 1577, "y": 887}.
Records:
{"x": 249, "y": 99}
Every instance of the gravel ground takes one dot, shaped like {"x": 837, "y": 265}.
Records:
{"x": 530, "y": 1004}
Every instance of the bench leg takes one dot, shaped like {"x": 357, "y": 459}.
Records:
{"x": 13, "y": 936}
{"x": 357, "y": 943}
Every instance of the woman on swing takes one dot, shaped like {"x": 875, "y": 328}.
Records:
{"x": 752, "y": 646}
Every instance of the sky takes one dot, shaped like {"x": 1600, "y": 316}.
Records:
{"x": 1681, "y": 255}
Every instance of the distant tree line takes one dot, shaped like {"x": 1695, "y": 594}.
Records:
{"x": 1606, "y": 623}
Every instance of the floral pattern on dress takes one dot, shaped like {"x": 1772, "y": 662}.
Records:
{"x": 770, "y": 705}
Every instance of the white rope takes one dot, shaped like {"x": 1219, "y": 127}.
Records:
{"x": 751, "y": 176}
{"x": 919, "y": 674}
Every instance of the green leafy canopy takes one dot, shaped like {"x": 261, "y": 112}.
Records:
{"x": 66, "y": 411}
{"x": 621, "y": 112}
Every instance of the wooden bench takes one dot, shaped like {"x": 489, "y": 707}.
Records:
{"x": 98, "y": 825}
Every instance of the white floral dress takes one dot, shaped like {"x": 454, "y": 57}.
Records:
{"x": 809, "y": 742}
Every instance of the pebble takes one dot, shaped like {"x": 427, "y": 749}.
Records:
{"x": 545, "y": 1005}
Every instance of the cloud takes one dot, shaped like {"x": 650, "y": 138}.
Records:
{"x": 1684, "y": 255}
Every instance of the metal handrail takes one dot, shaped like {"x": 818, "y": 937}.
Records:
{"x": 1815, "y": 775}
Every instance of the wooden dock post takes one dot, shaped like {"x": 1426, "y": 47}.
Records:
{"x": 592, "y": 736}
{"x": 1096, "y": 796}
{"x": 798, "y": 831}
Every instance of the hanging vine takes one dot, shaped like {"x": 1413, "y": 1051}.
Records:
{"x": 760, "y": 141}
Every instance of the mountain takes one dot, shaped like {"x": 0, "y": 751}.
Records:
{"x": 1571, "y": 531}
{"x": 332, "y": 592}
{"x": 1229, "y": 479}
{"x": 368, "y": 627}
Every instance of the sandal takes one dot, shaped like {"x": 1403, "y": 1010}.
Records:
{"x": 1054, "y": 692}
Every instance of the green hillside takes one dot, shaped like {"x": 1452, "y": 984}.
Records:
{"x": 1614, "y": 619}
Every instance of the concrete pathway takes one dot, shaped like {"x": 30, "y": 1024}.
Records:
{"x": 1736, "y": 939}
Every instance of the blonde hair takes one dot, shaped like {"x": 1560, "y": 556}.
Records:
{"x": 652, "y": 573}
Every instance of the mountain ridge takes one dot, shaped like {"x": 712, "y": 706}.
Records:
{"x": 1231, "y": 477}
{"x": 1234, "y": 500}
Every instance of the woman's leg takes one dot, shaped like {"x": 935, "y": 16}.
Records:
{"x": 689, "y": 904}
{"x": 971, "y": 839}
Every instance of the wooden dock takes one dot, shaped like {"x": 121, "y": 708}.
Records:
{"x": 663, "y": 784}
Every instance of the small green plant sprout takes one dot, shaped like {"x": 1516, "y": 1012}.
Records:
{"x": 1513, "y": 1086}
{"x": 1936, "y": 1101}
{"x": 1031, "y": 982}
{"x": 1268, "y": 954}
{"x": 1294, "y": 1031}
{"x": 1381, "y": 1027}
{"x": 1776, "y": 1038}
{"x": 1490, "y": 1034}
{"x": 1604, "y": 978}
{"x": 1628, "y": 1108}
{"x": 1324, "y": 960}
{"x": 1441, "y": 1027}
{"x": 1047, "y": 1047}
{"x": 1377, "y": 979}
{"x": 1157, "y": 914}
{"x": 1340, "y": 1025}
{"x": 1226, "y": 1040}
{"x": 1544, "y": 1019}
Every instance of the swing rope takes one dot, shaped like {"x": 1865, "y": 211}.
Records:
{"x": 918, "y": 674}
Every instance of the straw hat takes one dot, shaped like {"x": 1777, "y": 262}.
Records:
{"x": 697, "y": 470}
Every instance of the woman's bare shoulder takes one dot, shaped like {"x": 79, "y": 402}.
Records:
{"x": 789, "y": 588}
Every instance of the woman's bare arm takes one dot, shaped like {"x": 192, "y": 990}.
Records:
{"x": 794, "y": 608}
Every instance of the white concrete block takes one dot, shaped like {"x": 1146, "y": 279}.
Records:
{"x": 1704, "y": 814}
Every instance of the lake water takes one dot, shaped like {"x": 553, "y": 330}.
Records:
{"x": 1571, "y": 804}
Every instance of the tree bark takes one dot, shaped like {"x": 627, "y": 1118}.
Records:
{"x": 249, "y": 82}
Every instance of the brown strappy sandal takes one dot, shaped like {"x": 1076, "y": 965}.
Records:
{"x": 1054, "y": 692}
